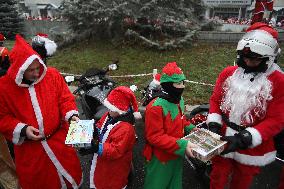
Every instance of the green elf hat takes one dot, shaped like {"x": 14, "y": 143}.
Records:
{"x": 172, "y": 73}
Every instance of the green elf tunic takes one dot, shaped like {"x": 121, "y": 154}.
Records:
{"x": 165, "y": 124}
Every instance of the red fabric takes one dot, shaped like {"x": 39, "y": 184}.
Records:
{"x": 122, "y": 98}
{"x": 242, "y": 175}
{"x": 171, "y": 68}
{"x": 260, "y": 7}
{"x": 45, "y": 105}
{"x": 113, "y": 166}
{"x": 273, "y": 122}
{"x": 161, "y": 133}
{"x": 4, "y": 52}
{"x": 2, "y": 38}
{"x": 265, "y": 27}
{"x": 42, "y": 35}
{"x": 157, "y": 77}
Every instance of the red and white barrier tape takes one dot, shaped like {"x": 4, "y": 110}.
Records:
{"x": 140, "y": 75}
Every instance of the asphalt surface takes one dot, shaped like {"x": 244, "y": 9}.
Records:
{"x": 267, "y": 179}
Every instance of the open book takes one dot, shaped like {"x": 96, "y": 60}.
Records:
{"x": 209, "y": 144}
{"x": 80, "y": 134}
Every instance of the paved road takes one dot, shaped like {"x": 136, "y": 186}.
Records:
{"x": 268, "y": 179}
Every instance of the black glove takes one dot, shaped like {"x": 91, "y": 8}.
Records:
{"x": 215, "y": 127}
{"x": 94, "y": 144}
{"x": 241, "y": 140}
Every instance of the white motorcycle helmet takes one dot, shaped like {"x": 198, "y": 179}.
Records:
{"x": 262, "y": 43}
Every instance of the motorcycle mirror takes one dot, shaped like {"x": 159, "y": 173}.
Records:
{"x": 133, "y": 88}
{"x": 69, "y": 79}
{"x": 112, "y": 67}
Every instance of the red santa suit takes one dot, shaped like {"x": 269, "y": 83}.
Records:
{"x": 256, "y": 105}
{"x": 111, "y": 164}
{"x": 46, "y": 104}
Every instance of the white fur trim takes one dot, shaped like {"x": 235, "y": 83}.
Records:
{"x": 17, "y": 139}
{"x": 95, "y": 157}
{"x": 137, "y": 115}
{"x": 214, "y": 117}
{"x": 70, "y": 113}
{"x": 26, "y": 64}
{"x": 156, "y": 82}
{"x": 256, "y": 137}
{"x": 46, "y": 147}
{"x": 252, "y": 160}
{"x": 92, "y": 171}
{"x": 49, "y": 45}
{"x": 112, "y": 107}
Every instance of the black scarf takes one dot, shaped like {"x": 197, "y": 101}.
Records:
{"x": 171, "y": 93}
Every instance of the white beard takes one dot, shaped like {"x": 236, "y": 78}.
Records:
{"x": 245, "y": 100}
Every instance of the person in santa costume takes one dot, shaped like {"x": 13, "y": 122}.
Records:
{"x": 43, "y": 46}
{"x": 35, "y": 107}
{"x": 262, "y": 11}
{"x": 4, "y": 56}
{"x": 165, "y": 125}
{"x": 246, "y": 108}
{"x": 114, "y": 139}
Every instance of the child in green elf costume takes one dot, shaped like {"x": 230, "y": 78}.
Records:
{"x": 165, "y": 125}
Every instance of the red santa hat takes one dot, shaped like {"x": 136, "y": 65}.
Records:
{"x": 22, "y": 56}
{"x": 121, "y": 99}
{"x": 42, "y": 38}
{"x": 157, "y": 78}
{"x": 264, "y": 27}
{"x": 2, "y": 37}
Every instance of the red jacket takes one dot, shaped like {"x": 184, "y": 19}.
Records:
{"x": 110, "y": 169}
{"x": 162, "y": 133}
{"x": 263, "y": 128}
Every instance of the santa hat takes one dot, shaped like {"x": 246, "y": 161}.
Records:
{"x": 2, "y": 37}
{"x": 121, "y": 99}
{"x": 264, "y": 27}
{"x": 172, "y": 73}
{"x": 157, "y": 78}
{"x": 22, "y": 56}
{"x": 50, "y": 46}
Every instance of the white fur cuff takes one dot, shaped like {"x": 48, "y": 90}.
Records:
{"x": 17, "y": 139}
{"x": 214, "y": 117}
{"x": 256, "y": 137}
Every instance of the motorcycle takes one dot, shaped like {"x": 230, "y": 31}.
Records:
{"x": 94, "y": 86}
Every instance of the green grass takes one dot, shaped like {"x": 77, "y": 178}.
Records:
{"x": 202, "y": 63}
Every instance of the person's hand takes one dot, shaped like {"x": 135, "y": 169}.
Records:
{"x": 33, "y": 133}
{"x": 189, "y": 147}
{"x": 241, "y": 140}
{"x": 215, "y": 127}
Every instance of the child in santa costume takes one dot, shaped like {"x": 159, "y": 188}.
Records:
{"x": 116, "y": 138}
{"x": 43, "y": 46}
{"x": 246, "y": 107}
{"x": 165, "y": 125}
{"x": 4, "y": 56}
{"x": 35, "y": 107}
